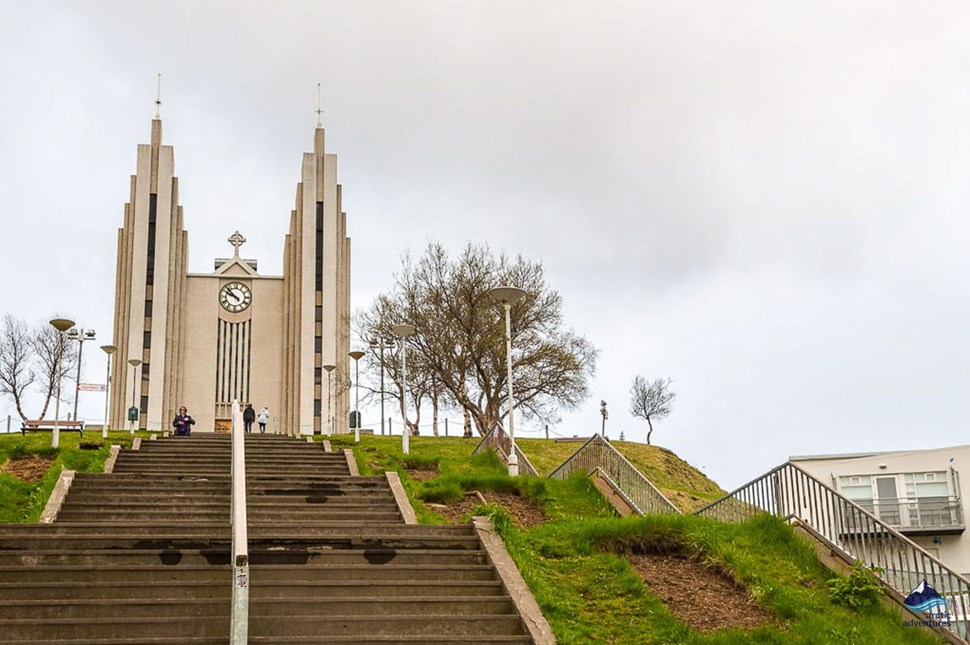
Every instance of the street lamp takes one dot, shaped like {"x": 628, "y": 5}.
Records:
{"x": 356, "y": 355}
{"x": 329, "y": 369}
{"x": 61, "y": 325}
{"x": 382, "y": 344}
{"x": 109, "y": 350}
{"x": 133, "y": 410}
{"x": 506, "y": 296}
{"x": 404, "y": 331}
{"x": 606, "y": 415}
{"x": 80, "y": 335}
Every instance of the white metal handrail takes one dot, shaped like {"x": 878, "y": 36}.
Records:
{"x": 639, "y": 492}
{"x": 240, "y": 539}
{"x": 851, "y": 531}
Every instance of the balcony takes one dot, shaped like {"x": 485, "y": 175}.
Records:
{"x": 919, "y": 515}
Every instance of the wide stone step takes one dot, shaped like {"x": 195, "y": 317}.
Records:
{"x": 288, "y": 555}
{"x": 297, "y": 554}
{"x": 338, "y": 574}
{"x": 196, "y": 620}
{"x": 116, "y": 573}
{"x": 142, "y": 589}
{"x": 430, "y": 639}
{"x": 185, "y": 515}
{"x": 364, "y": 627}
{"x": 380, "y": 590}
{"x": 97, "y": 557}
{"x": 119, "y": 608}
{"x": 410, "y": 605}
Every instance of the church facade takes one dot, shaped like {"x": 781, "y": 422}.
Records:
{"x": 204, "y": 340}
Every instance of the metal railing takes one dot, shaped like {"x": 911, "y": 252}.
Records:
{"x": 637, "y": 490}
{"x": 240, "y": 538}
{"x": 918, "y": 514}
{"x": 851, "y": 531}
{"x": 496, "y": 439}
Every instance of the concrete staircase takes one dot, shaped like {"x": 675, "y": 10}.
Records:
{"x": 142, "y": 556}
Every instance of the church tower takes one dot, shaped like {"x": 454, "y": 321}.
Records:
{"x": 203, "y": 340}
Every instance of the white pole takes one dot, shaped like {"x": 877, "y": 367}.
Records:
{"x": 405, "y": 444}
{"x": 513, "y": 458}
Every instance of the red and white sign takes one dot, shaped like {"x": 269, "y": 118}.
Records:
{"x": 90, "y": 387}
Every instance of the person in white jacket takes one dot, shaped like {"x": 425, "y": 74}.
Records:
{"x": 262, "y": 419}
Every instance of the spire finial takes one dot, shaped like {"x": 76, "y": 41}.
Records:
{"x": 158, "y": 97}
{"x": 319, "y": 108}
{"x": 237, "y": 240}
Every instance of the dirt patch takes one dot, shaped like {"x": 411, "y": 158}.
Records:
{"x": 524, "y": 513}
{"x": 29, "y": 469}
{"x": 697, "y": 595}
{"x": 422, "y": 475}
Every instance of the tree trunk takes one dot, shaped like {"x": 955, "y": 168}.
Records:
{"x": 650, "y": 431}
{"x": 468, "y": 423}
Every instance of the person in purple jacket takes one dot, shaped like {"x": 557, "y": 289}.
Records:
{"x": 183, "y": 422}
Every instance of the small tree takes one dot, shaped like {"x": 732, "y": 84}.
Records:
{"x": 29, "y": 357}
{"x": 651, "y": 401}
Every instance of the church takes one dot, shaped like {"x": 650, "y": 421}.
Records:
{"x": 203, "y": 340}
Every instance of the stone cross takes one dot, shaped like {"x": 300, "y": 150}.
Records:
{"x": 237, "y": 240}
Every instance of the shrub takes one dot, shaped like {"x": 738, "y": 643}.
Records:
{"x": 858, "y": 590}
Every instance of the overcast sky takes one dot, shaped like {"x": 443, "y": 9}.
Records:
{"x": 765, "y": 201}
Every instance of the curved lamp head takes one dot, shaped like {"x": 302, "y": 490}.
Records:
{"x": 404, "y": 330}
{"x": 506, "y": 294}
{"x": 329, "y": 368}
{"x": 356, "y": 354}
{"x": 109, "y": 349}
{"x": 134, "y": 362}
{"x": 62, "y": 324}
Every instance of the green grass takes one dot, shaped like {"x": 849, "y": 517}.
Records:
{"x": 22, "y": 501}
{"x": 575, "y": 563}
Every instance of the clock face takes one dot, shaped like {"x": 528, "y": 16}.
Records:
{"x": 235, "y": 297}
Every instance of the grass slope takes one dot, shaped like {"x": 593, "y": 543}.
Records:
{"x": 681, "y": 483}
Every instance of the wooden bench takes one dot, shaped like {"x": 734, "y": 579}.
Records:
{"x": 45, "y": 425}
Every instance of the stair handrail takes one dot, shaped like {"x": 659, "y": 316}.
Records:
{"x": 240, "y": 538}
{"x": 791, "y": 493}
{"x": 496, "y": 439}
{"x": 639, "y": 492}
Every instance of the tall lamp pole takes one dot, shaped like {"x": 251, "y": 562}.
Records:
{"x": 109, "y": 350}
{"x": 356, "y": 355}
{"x": 507, "y": 296}
{"x": 133, "y": 416}
{"x": 606, "y": 415}
{"x": 61, "y": 325}
{"x": 404, "y": 331}
{"x": 382, "y": 344}
{"x": 329, "y": 369}
{"x": 80, "y": 335}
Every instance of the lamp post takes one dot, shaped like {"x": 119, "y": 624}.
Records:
{"x": 381, "y": 344}
{"x": 133, "y": 410}
{"x": 606, "y": 415}
{"x": 80, "y": 335}
{"x": 329, "y": 369}
{"x": 356, "y": 355}
{"x": 109, "y": 350}
{"x": 506, "y": 296}
{"x": 404, "y": 331}
{"x": 61, "y": 325}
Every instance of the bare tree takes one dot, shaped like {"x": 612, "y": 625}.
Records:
{"x": 29, "y": 358}
{"x": 16, "y": 372}
{"x": 459, "y": 345}
{"x": 651, "y": 401}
